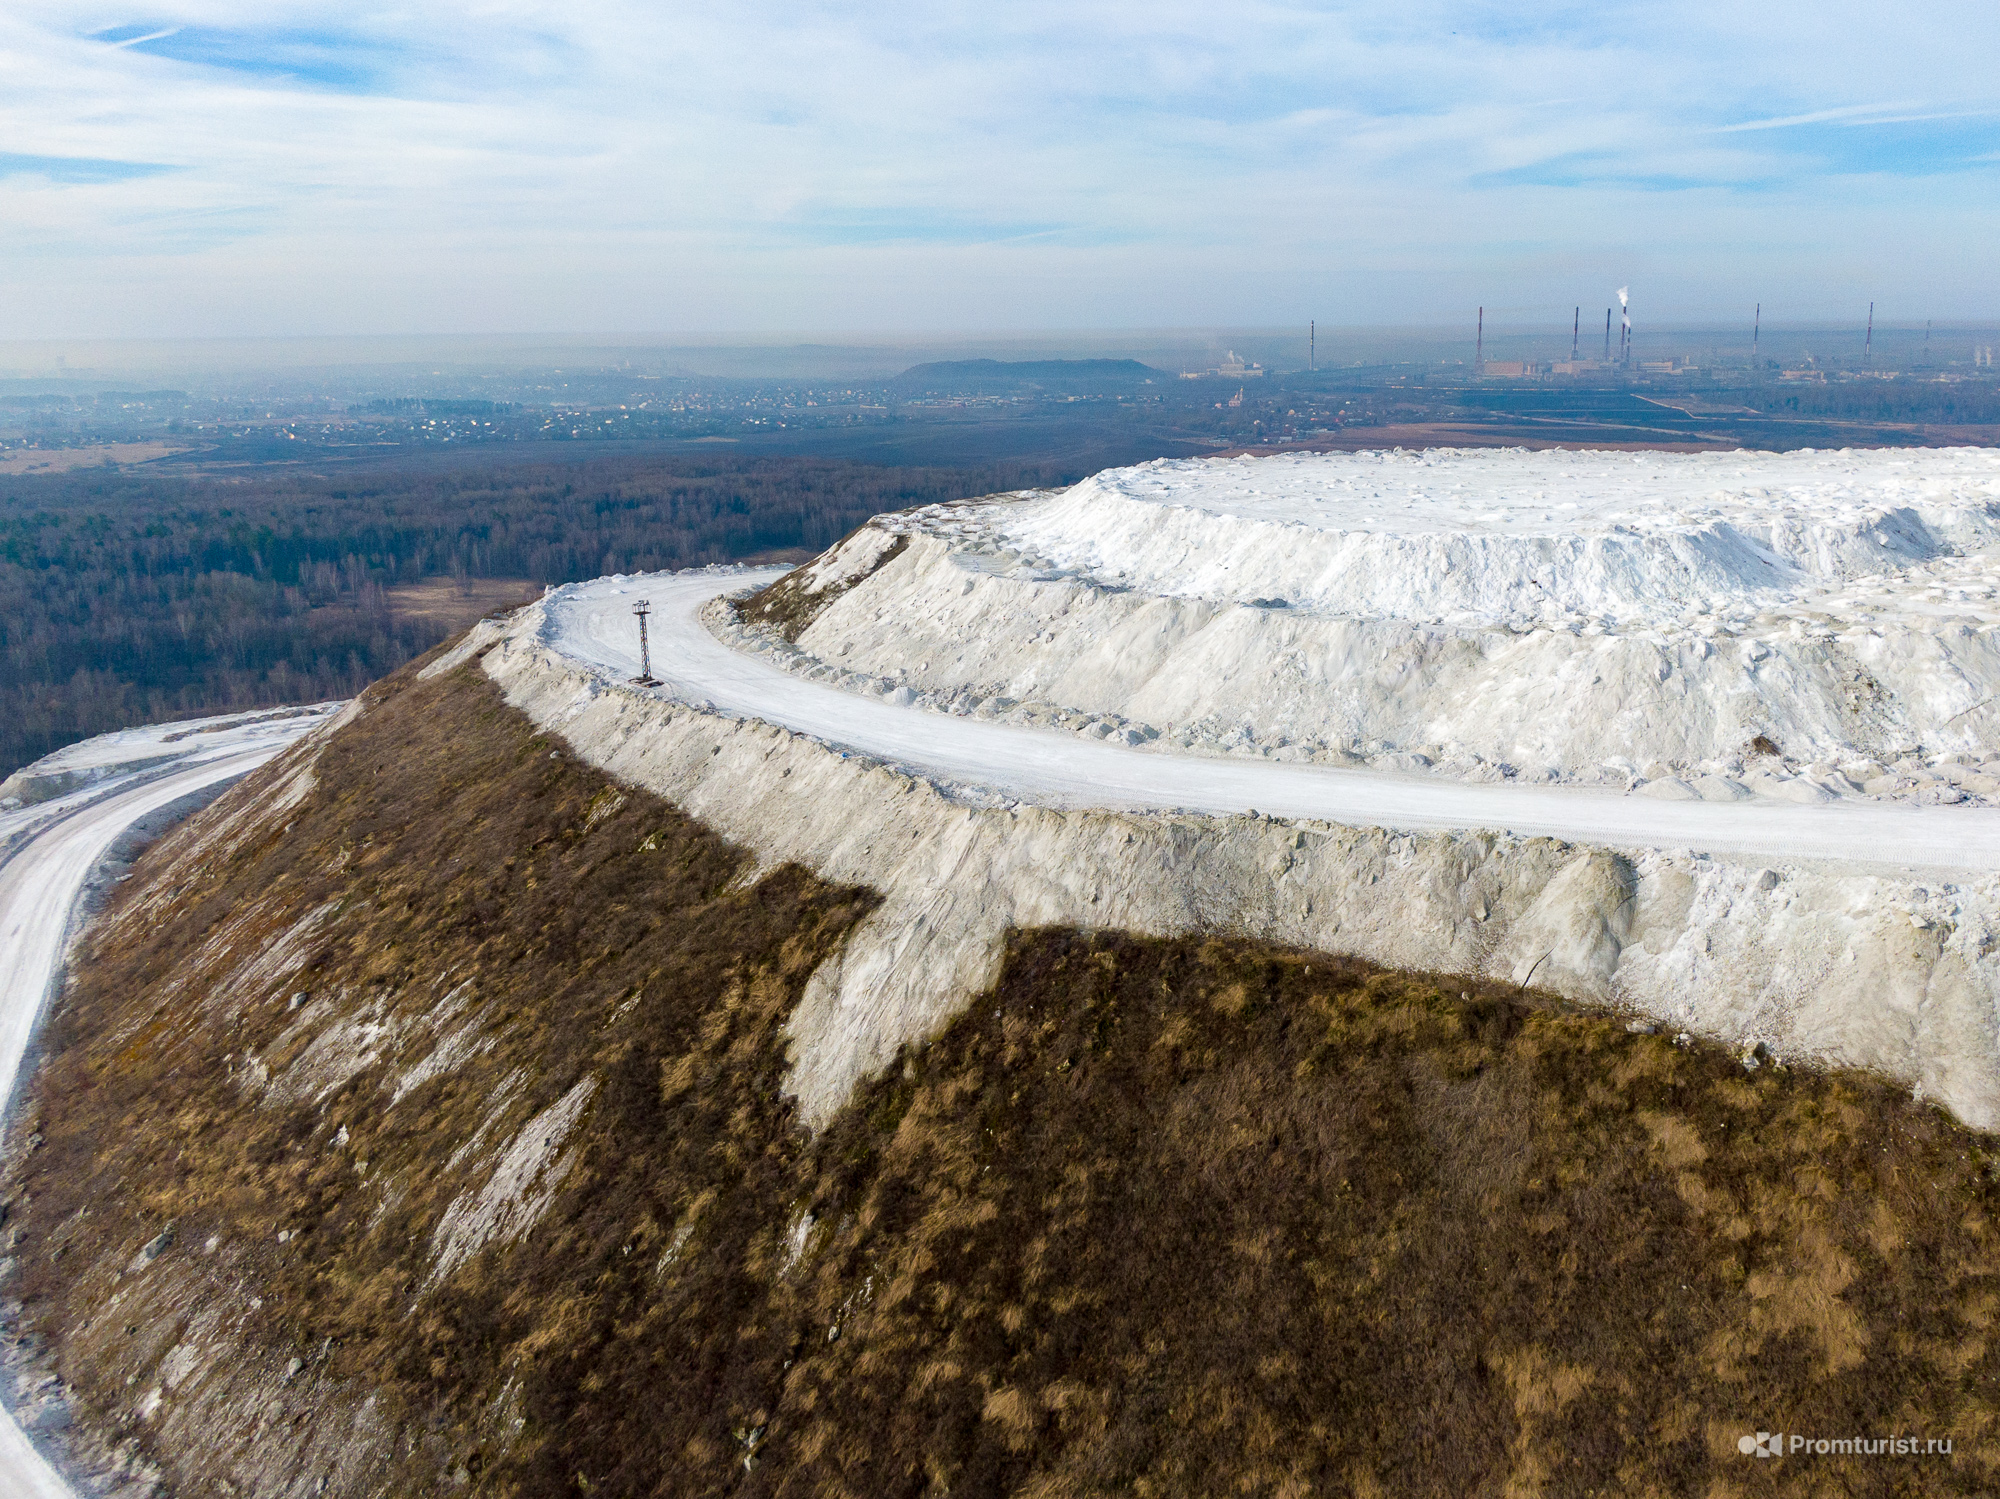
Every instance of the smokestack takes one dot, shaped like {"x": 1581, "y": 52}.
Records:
{"x": 1312, "y": 345}
{"x": 1607, "y": 335}
{"x": 1575, "y": 329}
{"x": 1868, "y": 344}
{"x": 1479, "y": 359}
{"x": 1625, "y": 323}
{"x": 1756, "y": 331}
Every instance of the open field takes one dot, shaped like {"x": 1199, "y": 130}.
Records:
{"x": 453, "y": 604}
{"x": 62, "y": 460}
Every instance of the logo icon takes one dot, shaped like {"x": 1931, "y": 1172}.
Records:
{"x": 1764, "y": 1444}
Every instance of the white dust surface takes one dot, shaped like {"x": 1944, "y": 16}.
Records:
{"x": 1606, "y": 619}
{"x": 1517, "y": 537}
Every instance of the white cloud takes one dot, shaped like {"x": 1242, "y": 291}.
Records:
{"x": 486, "y": 165}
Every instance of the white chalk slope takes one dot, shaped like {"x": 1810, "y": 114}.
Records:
{"x": 88, "y": 795}
{"x": 1632, "y": 620}
{"x": 1862, "y": 933}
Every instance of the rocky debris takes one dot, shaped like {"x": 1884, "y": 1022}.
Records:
{"x": 151, "y": 1250}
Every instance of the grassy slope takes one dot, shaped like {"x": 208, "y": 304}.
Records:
{"x": 1158, "y": 1218}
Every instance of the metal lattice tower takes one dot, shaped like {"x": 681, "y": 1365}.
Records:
{"x": 645, "y": 677}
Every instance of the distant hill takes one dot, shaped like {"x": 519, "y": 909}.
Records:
{"x": 981, "y": 376}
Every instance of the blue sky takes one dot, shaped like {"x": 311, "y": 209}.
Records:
{"x": 227, "y": 169}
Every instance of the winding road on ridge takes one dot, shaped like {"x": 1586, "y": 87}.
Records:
{"x": 592, "y": 623}
{"x": 54, "y": 847}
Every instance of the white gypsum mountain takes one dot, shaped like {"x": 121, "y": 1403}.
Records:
{"x": 1858, "y": 932}
{"x": 1647, "y": 621}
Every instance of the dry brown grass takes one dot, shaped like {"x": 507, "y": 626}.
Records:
{"x": 788, "y": 608}
{"x": 1153, "y": 1218}
{"x": 602, "y": 933}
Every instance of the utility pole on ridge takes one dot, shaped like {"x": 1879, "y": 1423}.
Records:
{"x": 645, "y": 677}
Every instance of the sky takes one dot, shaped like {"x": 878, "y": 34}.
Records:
{"x": 207, "y": 168}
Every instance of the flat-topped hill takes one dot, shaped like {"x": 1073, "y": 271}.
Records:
{"x": 1822, "y": 620}
{"x": 1516, "y": 537}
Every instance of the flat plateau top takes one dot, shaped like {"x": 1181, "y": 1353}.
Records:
{"x": 1563, "y": 493}
{"x": 1509, "y": 536}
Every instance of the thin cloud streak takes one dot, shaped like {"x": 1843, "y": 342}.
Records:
{"x": 1862, "y": 115}
{"x": 153, "y": 36}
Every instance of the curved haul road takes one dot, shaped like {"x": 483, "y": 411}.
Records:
{"x": 592, "y": 623}
{"x": 56, "y": 845}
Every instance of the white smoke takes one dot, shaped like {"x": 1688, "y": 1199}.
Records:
{"x": 1624, "y": 296}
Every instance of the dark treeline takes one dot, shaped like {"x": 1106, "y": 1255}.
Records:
{"x": 1884, "y": 401}
{"x": 128, "y": 597}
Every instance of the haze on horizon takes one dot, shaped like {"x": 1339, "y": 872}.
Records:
{"x": 216, "y": 169}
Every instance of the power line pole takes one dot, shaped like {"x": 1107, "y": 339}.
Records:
{"x": 645, "y": 677}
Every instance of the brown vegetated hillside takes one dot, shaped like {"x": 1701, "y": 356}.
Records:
{"x": 419, "y": 1129}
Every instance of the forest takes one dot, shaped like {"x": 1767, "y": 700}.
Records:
{"x": 131, "y": 596}
{"x": 1967, "y": 403}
